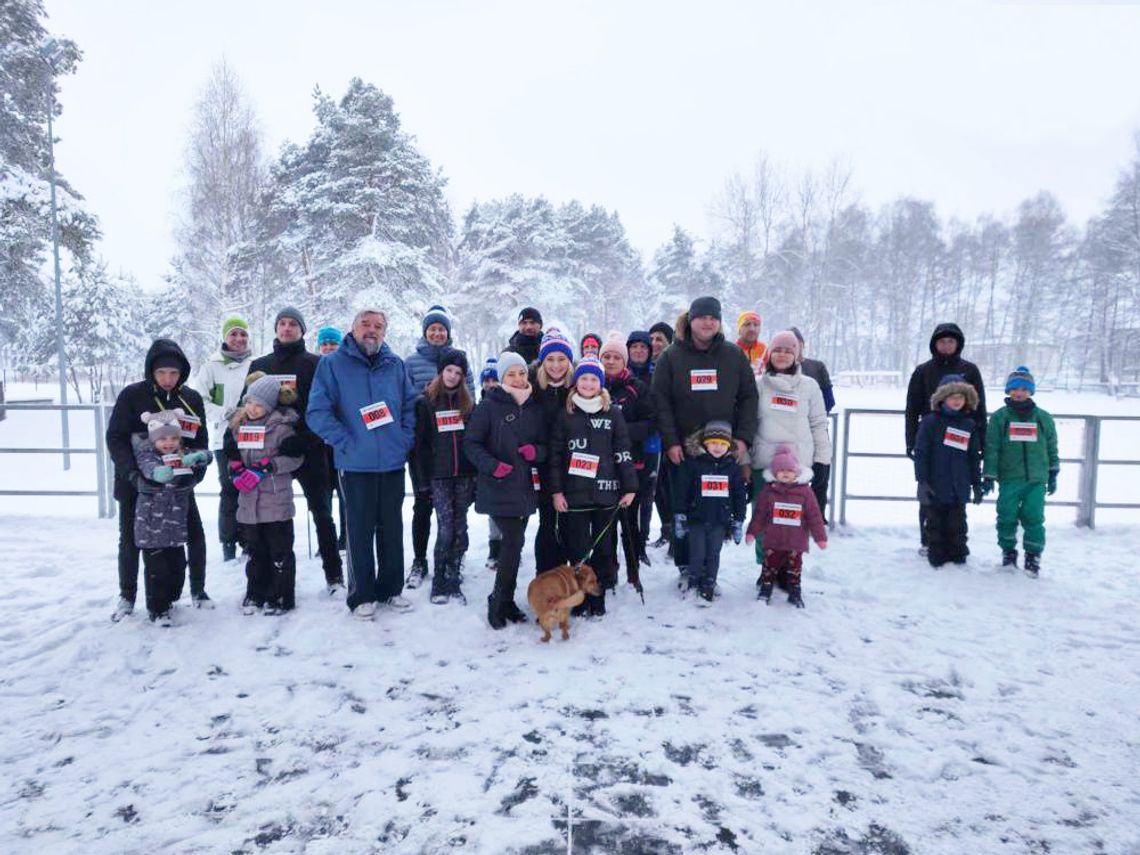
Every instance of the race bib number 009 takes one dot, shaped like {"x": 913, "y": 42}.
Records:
{"x": 714, "y": 486}
{"x": 251, "y": 436}
{"x": 955, "y": 438}
{"x": 584, "y": 465}
{"x": 1023, "y": 431}
{"x": 447, "y": 421}
{"x": 376, "y": 415}
{"x": 702, "y": 380}
{"x": 786, "y": 513}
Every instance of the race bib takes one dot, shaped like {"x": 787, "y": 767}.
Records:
{"x": 702, "y": 380}
{"x": 174, "y": 461}
{"x": 534, "y": 479}
{"x": 785, "y": 513}
{"x": 1023, "y": 431}
{"x": 251, "y": 436}
{"x": 188, "y": 425}
{"x": 714, "y": 486}
{"x": 784, "y": 402}
{"x": 376, "y": 415}
{"x": 448, "y": 420}
{"x": 955, "y": 438}
{"x": 584, "y": 465}
{"x": 287, "y": 381}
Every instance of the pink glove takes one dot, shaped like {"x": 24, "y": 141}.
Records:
{"x": 528, "y": 452}
{"x": 246, "y": 480}
{"x": 502, "y": 470}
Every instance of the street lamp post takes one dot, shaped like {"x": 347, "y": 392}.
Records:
{"x": 48, "y": 52}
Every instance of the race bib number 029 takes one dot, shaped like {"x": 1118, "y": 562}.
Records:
{"x": 188, "y": 425}
{"x": 448, "y": 420}
{"x": 955, "y": 438}
{"x": 702, "y": 380}
{"x": 251, "y": 436}
{"x": 376, "y": 415}
{"x": 786, "y": 513}
{"x": 714, "y": 486}
{"x": 584, "y": 465}
{"x": 1023, "y": 431}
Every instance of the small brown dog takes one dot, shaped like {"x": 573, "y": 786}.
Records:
{"x": 554, "y": 592}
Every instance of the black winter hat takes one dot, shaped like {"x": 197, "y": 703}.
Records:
{"x": 639, "y": 337}
{"x": 453, "y": 356}
{"x": 705, "y": 307}
{"x": 531, "y": 314}
{"x": 664, "y": 329}
{"x": 294, "y": 314}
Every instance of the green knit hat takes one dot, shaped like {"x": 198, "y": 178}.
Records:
{"x": 232, "y": 322}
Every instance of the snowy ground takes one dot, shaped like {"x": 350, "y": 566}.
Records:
{"x": 905, "y": 710}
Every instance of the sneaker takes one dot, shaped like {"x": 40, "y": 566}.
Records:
{"x": 202, "y": 600}
{"x": 457, "y": 596}
{"x": 365, "y": 611}
{"x": 765, "y": 592}
{"x": 334, "y": 586}
{"x": 1009, "y": 558}
{"x": 417, "y": 574}
{"x": 249, "y": 607}
{"x": 123, "y": 609}
{"x": 398, "y": 604}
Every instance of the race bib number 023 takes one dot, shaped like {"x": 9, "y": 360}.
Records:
{"x": 376, "y": 415}
{"x": 702, "y": 380}
{"x": 584, "y": 465}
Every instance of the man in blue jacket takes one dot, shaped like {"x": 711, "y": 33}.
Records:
{"x": 363, "y": 405}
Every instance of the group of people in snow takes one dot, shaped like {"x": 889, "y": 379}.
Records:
{"x": 678, "y": 418}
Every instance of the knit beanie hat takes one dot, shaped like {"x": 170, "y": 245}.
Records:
{"x": 234, "y": 322}
{"x": 785, "y": 339}
{"x": 951, "y": 378}
{"x": 453, "y": 356}
{"x": 162, "y": 424}
{"x": 1020, "y": 378}
{"x": 589, "y": 365}
{"x": 293, "y": 313}
{"x": 329, "y": 335}
{"x": 638, "y": 337}
{"x": 594, "y": 337}
{"x": 747, "y": 316}
{"x": 784, "y": 460}
{"x": 719, "y": 430}
{"x": 166, "y": 360}
{"x": 704, "y": 307}
{"x": 614, "y": 344}
{"x": 553, "y": 341}
{"x": 264, "y": 390}
{"x": 508, "y": 359}
{"x": 437, "y": 315}
{"x": 531, "y": 314}
{"x": 488, "y": 372}
{"x": 664, "y": 329}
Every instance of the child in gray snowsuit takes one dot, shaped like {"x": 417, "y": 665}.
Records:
{"x": 166, "y": 479}
{"x": 262, "y": 476}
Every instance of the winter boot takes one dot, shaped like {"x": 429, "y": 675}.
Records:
{"x": 764, "y": 592}
{"x": 122, "y": 609}
{"x": 1032, "y": 564}
{"x": 795, "y": 597}
{"x": 513, "y": 613}
{"x": 417, "y": 574}
{"x": 643, "y": 558}
{"x": 439, "y": 584}
{"x": 663, "y": 539}
{"x": 1009, "y": 558}
{"x": 249, "y": 607}
{"x": 163, "y": 618}
{"x": 202, "y": 600}
{"x": 455, "y": 580}
{"x": 683, "y": 577}
{"x": 229, "y": 550}
{"x": 596, "y": 605}
{"x": 494, "y": 611}
{"x": 706, "y": 593}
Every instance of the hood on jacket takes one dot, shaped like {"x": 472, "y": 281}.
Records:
{"x": 166, "y": 347}
{"x": 352, "y": 349}
{"x": 955, "y": 388}
{"x": 804, "y": 477}
{"x": 943, "y": 330}
{"x": 683, "y": 338}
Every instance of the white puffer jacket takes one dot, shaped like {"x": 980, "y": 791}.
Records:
{"x": 220, "y": 382}
{"x": 792, "y": 413}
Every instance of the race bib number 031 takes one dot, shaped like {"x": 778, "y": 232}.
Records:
{"x": 376, "y": 415}
{"x": 1023, "y": 431}
{"x": 714, "y": 486}
{"x": 702, "y": 380}
{"x": 251, "y": 436}
{"x": 448, "y": 420}
{"x": 955, "y": 438}
{"x": 188, "y": 425}
{"x": 786, "y": 513}
{"x": 584, "y": 465}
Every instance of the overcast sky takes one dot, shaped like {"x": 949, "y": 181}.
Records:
{"x": 643, "y": 107}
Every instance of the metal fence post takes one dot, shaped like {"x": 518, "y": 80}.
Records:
{"x": 100, "y": 458}
{"x": 1086, "y": 512}
{"x": 108, "y": 464}
{"x": 846, "y": 446}
{"x": 834, "y": 424}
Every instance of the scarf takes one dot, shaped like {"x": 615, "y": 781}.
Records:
{"x": 235, "y": 355}
{"x": 520, "y": 395}
{"x": 587, "y": 405}
{"x": 1022, "y": 408}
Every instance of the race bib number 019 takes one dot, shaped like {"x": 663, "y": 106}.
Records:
{"x": 1023, "y": 431}
{"x": 251, "y": 436}
{"x": 786, "y": 513}
{"x": 714, "y": 486}
{"x": 188, "y": 425}
{"x": 174, "y": 461}
{"x": 702, "y": 380}
{"x": 448, "y": 420}
{"x": 584, "y": 465}
{"x": 955, "y": 438}
{"x": 784, "y": 402}
{"x": 376, "y": 415}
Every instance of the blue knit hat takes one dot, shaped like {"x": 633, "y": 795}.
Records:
{"x": 489, "y": 371}
{"x": 329, "y": 335}
{"x": 553, "y": 341}
{"x": 437, "y": 315}
{"x": 590, "y": 365}
{"x": 1020, "y": 378}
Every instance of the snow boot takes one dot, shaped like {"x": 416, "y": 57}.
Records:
{"x": 706, "y": 594}
{"x": 249, "y": 607}
{"x": 202, "y": 600}
{"x": 123, "y": 609}
{"x": 439, "y": 584}
{"x": 1009, "y": 558}
{"x": 494, "y": 611}
{"x": 596, "y": 606}
{"x": 163, "y": 618}
{"x": 795, "y": 597}
{"x": 1032, "y": 564}
{"x": 513, "y": 613}
{"x": 229, "y": 550}
{"x": 417, "y": 574}
{"x": 683, "y": 577}
{"x": 455, "y": 580}
{"x": 335, "y": 587}
{"x": 765, "y": 592}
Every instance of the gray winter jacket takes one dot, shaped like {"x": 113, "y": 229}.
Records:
{"x": 162, "y": 510}
{"x": 272, "y": 499}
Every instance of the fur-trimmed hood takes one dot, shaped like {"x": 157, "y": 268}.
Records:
{"x": 957, "y": 387}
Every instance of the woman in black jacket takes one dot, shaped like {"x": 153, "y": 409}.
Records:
{"x": 507, "y": 441}
{"x": 552, "y": 378}
{"x": 591, "y": 474}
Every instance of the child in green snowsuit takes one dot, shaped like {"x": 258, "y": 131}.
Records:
{"x": 1021, "y": 455}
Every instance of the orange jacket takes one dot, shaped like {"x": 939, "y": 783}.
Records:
{"x": 757, "y": 355}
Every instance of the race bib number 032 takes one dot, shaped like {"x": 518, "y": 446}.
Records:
{"x": 786, "y": 513}
{"x": 376, "y": 415}
{"x": 702, "y": 380}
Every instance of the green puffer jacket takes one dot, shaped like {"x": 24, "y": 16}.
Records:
{"x": 1021, "y": 444}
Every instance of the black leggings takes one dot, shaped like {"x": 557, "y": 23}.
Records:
{"x": 510, "y": 553}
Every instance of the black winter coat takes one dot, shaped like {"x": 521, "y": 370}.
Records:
{"x": 576, "y": 439}
{"x": 439, "y": 440}
{"x": 926, "y": 377}
{"x": 293, "y": 359}
{"x": 525, "y": 346}
{"x": 939, "y": 462}
{"x": 147, "y": 396}
{"x": 496, "y": 429}
{"x": 698, "y": 499}
{"x": 638, "y": 408}
{"x": 552, "y": 399}
{"x": 681, "y": 410}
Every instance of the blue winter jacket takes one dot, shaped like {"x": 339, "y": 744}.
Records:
{"x": 942, "y": 462}
{"x": 347, "y": 381}
{"x": 423, "y": 364}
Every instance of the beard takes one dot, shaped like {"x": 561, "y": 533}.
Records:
{"x": 370, "y": 347}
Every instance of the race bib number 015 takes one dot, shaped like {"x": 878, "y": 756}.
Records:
{"x": 448, "y": 420}
{"x": 251, "y": 436}
{"x": 584, "y": 465}
{"x": 786, "y": 513}
{"x": 376, "y": 415}
{"x": 702, "y": 380}
{"x": 955, "y": 438}
{"x": 714, "y": 486}
{"x": 1023, "y": 431}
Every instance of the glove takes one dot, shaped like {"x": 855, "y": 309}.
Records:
{"x": 528, "y": 452}
{"x": 245, "y": 480}
{"x": 925, "y": 493}
{"x": 979, "y": 493}
{"x": 987, "y": 486}
{"x": 196, "y": 458}
{"x": 293, "y": 446}
{"x": 680, "y": 525}
{"x": 1051, "y": 487}
{"x": 162, "y": 474}
{"x": 737, "y": 531}
{"x": 502, "y": 470}
{"x": 264, "y": 466}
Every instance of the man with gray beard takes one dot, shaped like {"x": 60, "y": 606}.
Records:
{"x": 363, "y": 405}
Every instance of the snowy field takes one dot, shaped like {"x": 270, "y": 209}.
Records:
{"x": 906, "y": 710}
